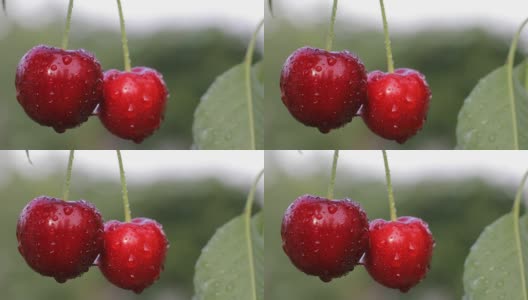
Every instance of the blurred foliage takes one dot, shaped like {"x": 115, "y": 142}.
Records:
{"x": 190, "y": 212}
{"x": 456, "y": 210}
{"x": 452, "y": 61}
{"x": 189, "y": 60}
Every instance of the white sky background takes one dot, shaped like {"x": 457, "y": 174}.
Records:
{"x": 413, "y": 15}
{"x": 499, "y": 167}
{"x": 237, "y": 168}
{"x": 141, "y": 16}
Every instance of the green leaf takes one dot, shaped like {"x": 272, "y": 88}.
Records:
{"x": 486, "y": 118}
{"x": 492, "y": 269}
{"x": 222, "y": 271}
{"x": 221, "y": 119}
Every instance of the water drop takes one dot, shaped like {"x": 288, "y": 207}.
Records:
{"x": 331, "y": 61}
{"x": 68, "y": 210}
{"x": 332, "y": 209}
{"x": 67, "y": 60}
{"x": 318, "y": 68}
{"x": 53, "y": 67}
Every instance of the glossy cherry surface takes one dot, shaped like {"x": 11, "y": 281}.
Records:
{"x": 399, "y": 252}
{"x": 58, "y": 88}
{"x": 134, "y": 253}
{"x": 397, "y": 104}
{"x": 324, "y": 238}
{"x": 60, "y": 239}
{"x": 134, "y": 103}
{"x": 323, "y": 89}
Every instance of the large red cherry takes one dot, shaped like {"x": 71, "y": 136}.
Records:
{"x": 60, "y": 239}
{"x": 59, "y": 88}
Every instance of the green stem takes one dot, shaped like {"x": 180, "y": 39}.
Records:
{"x": 392, "y": 204}
{"x": 331, "y": 33}
{"x": 124, "y": 41}
{"x": 249, "y": 95}
{"x": 388, "y": 47}
{"x": 526, "y": 74}
{"x": 330, "y": 194}
{"x": 516, "y": 228}
{"x": 66, "y": 33}
{"x": 69, "y": 169}
{"x": 28, "y": 157}
{"x": 509, "y": 68}
{"x": 270, "y": 4}
{"x": 124, "y": 189}
{"x": 247, "y": 217}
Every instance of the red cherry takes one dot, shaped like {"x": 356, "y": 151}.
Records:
{"x": 134, "y": 102}
{"x": 59, "y": 88}
{"x": 324, "y": 238}
{"x": 133, "y": 253}
{"x": 400, "y": 252}
{"x": 323, "y": 89}
{"x": 60, "y": 239}
{"x": 397, "y": 103}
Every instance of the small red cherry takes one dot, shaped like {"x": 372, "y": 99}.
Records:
{"x": 59, "y": 88}
{"x": 134, "y": 102}
{"x": 400, "y": 252}
{"x": 323, "y": 89}
{"x": 397, "y": 103}
{"x": 60, "y": 239}
{"x": 324, "y": 238}
{"x": 133, "y": 254}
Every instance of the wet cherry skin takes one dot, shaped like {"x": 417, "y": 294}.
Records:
{"x": 323, "y": 89}
{"x": 134, "y": 102}
{"x": 324, "y": 238}
{"x": 134, "y": 253}
{"x": 400, "y": 252}
{"x": 58, "y": 88}
{"x": 60, "y": 239}
{"x": 397, "y": 104}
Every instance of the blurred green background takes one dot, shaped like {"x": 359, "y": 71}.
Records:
{"x": 456, "y": 209}
{"x": 189, "y": 59}
{"x": 453, "y": 61}
{"x": 190, "y": 210}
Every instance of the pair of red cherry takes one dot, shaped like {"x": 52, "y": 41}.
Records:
{"x": 327, "y": 89}
{"x": 62, "y": 239}
{"x": 62, "y": 88}
{"x": 329, "y": 238}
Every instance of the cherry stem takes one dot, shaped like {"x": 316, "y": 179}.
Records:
{"x": 69, "y": 169}
{"x": 249, "y": 95}
{"x": 124, "y": 189}
{"x": 388, "y": 47}
{"x": 124, "y": 41}
{"x": 28, "y": 157}
{"x": 270, "y": 5}
{"x": 330, "y": 194}
{"x": 526, "y": 75}
{"x": 331, "y": 33}
{"x": 511, "y": 91}
{"x": 247, "y": 216}
{"x": 392, "y": 204}
{"x": 66, "y": 34}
